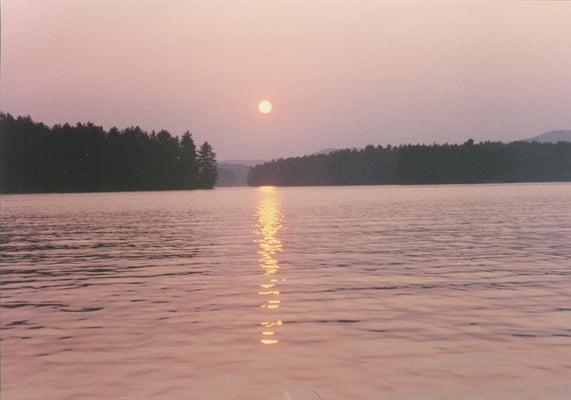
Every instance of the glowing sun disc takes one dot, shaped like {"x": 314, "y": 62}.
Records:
{"x": 265, "y": 107}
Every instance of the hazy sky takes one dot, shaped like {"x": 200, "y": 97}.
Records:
{"x": 339, "y": 74}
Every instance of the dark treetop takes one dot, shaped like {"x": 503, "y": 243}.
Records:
{"x": 82, "y": 158}
{"x": 485, "y": 162}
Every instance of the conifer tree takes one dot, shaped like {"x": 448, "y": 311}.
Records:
{"x": 188, "y": 164}
{"x": 207, "y": 172}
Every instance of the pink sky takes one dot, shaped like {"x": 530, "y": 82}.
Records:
{"x": 339, "y": 74}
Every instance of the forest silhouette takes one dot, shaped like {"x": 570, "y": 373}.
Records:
{"x": 87, "y": 158}
{"x": 486, "y": 162}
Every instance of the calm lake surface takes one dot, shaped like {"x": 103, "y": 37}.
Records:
{"x": 427, "y": 292}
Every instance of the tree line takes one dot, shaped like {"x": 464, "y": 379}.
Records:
{"x": 87, "y": 158}
{"x": 485, "y": 162}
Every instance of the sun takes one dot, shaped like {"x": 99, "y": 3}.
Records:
{"x": 265, "y": 107}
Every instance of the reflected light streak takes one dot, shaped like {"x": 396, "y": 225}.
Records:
{"x": 268, "y": 225}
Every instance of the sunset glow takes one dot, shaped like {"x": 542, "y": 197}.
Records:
{"x": 395, "y": 228}
{"x": 329, "y": 66}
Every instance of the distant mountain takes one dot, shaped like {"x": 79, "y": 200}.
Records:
{"x": 232, "y": 174}
{"x": 552, "y": 137}
{"x": 235, "y": 172}
{"x": 249, "y": 163}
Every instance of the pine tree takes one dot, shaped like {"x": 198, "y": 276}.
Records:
{"x": 207, "y": 172}
{"x": 188, "y": 163}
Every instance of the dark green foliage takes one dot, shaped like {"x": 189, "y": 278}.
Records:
{"x": 85, "y": 157}
{"x": 189, "y": 166}
{"x": 207, "y": 171}
{"x": 486, "y": 162}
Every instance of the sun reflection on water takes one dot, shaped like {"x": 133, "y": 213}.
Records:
{"x": 269, "y": 223}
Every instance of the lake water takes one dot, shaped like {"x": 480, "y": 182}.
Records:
{"x": 395, "y": 292}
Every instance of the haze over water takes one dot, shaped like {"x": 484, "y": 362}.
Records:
{"x": 433, "y": 292}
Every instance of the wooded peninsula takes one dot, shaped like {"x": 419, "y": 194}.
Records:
{"x": 485, "y": 162}
{"x": 87, "y": 158}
